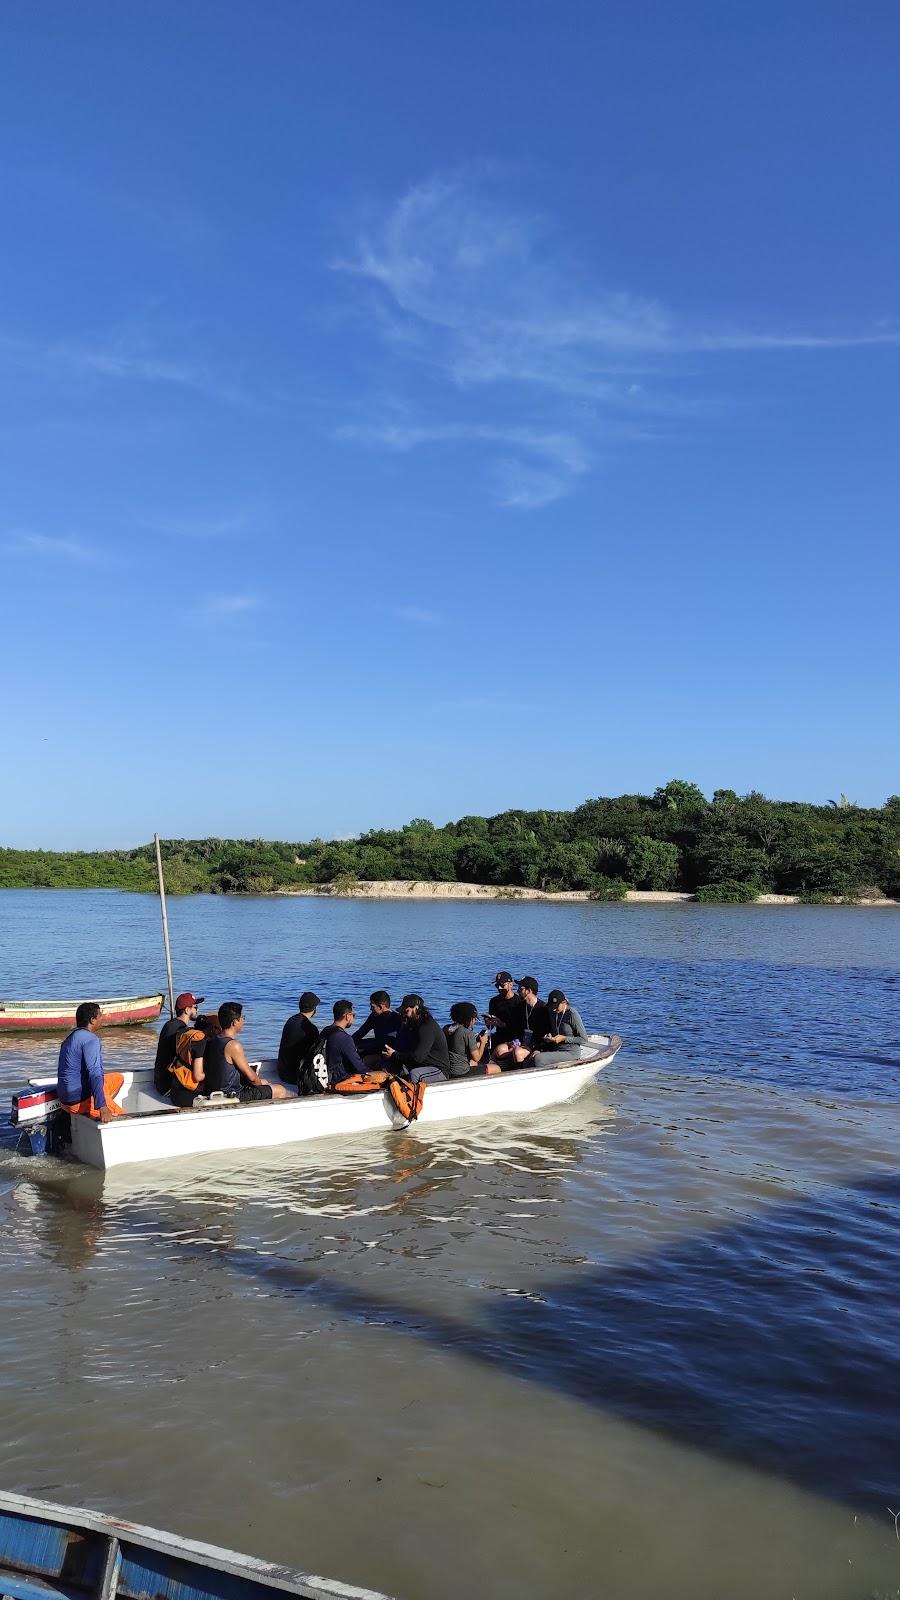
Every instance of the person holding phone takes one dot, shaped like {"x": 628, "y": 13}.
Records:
{"x": 468, "y": 1051}
{"x": 503, "y": 1014}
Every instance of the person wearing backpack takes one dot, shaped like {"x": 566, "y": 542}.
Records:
{"x": 298, "y": 1035}
{"x": 185, "y": 1016}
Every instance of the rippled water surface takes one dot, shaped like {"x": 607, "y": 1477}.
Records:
{"x": 641, "y": 1345}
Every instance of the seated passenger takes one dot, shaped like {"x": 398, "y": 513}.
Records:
{"x": 298, "y": 1033}
{"x": 84, "y": 1088}
{"x": 186, "y": 1071}
{"x": 380, "y": 1027}
{"x": 566, "y": 1026}
{"x": 421, "y": 1049}
{"x": 468, "y": 1052}
{"x": 502, "y": 1012}
{"x": 532, "y": 1024}
{"x": 225, "y": 1066}
{"x": 341, "y": 1055}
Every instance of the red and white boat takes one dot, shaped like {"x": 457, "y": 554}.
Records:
{"x": 58, "y": 1016}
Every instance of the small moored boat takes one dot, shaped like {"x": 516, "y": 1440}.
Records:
{"x": 51, "y": 1552}
{"x": 155, "y": 1130}
{"x": 58, "y": 1016}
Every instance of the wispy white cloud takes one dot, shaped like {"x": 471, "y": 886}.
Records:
{"x": 479, "y": 297}
{"x": 420, "y": 616}
{"x": 518, "y": 481}
{"x": 129, "y": 357}
{"x": 218, "y": 607}
{"x": 228, "y": 526}
{"x": 46, "y": 547}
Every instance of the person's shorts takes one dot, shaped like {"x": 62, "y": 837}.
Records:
{"x": 255, "y": 1091}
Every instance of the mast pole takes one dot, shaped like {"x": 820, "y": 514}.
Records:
{"x": 165, "y": 925}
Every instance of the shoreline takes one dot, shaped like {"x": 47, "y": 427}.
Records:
{"x": 421, "y": 889}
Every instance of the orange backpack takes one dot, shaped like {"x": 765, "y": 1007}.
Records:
{"x": 181, "y": 1065}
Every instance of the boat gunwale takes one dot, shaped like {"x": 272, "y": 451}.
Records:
{"x": 307, "y": 1585}
{"x": 9, "y": 1007}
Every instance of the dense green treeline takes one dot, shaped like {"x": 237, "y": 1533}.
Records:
{"x": 729, "y": 847}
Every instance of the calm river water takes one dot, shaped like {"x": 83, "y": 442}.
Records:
{"x": 643, "y": 1345}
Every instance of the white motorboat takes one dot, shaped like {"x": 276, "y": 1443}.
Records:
{"x": 155, "y": 1130}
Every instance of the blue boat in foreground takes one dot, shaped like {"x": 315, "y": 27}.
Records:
{"x": 50, "y": 1552}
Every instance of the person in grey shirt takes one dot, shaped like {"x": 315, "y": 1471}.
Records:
{"x": 468, "y": 1051}
{"x": 567, "y": 1028}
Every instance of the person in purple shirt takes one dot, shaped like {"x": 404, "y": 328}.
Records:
{"x": 84, "y": 1088}
{"x": 341, "y": 1055}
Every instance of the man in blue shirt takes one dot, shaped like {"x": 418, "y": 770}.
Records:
{"x": 341, "y": 1054}
{"x": 84, "y": 1088}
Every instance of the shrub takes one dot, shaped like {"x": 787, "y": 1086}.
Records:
{"x": 730, "y": 892}
{"x": 608, "y": 889}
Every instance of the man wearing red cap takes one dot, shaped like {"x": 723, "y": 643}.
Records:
{"x": 185, "y": 1013}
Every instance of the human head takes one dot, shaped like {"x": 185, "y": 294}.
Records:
{"x": 209, "y": 1024}
{"x": 464, "y": 1013}
{"x": 87, "y": 1015}
{"x": 503, "y": 981}
{"x": 414, "y": 1004}
{"x": 342, "y": 1010}
{"x": 380, "y": 1000}
{"x": 230, "y": 1013}
{"x": 528, "y": 986}
{"x": 556, "y": 999}
{"x": 308, "y": 1002}
{"x": 186, "y": 1004}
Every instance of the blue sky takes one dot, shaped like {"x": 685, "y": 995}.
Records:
{"x": 412, "y": 410}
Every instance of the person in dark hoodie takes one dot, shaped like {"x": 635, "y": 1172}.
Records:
{"x": 421, "y": 1049}
{"x": 298, "y": 1033}
{"x": 380, "y": 1027}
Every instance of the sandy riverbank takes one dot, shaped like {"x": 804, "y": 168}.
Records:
{"x": 398, "y": 889}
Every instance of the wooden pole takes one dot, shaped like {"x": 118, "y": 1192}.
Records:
{"x": 165, "y": 925}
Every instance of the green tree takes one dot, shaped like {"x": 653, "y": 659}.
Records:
{"x": 651, "y": 863}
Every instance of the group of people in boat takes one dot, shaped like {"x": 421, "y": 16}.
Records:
{"x": 201, "y": 1053}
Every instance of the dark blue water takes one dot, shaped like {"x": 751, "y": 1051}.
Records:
{"x": 647, "y": 1341}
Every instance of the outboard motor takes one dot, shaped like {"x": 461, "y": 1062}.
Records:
{"x": 44, "y": 1128}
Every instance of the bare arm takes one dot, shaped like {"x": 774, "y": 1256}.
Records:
{"x": 235, "y": 1054}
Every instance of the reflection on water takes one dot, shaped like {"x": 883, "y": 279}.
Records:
{"x": 642, "y": 1344}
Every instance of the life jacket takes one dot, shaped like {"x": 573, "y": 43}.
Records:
{"x": 180, "y": 1066}
{"x": 408, "y": 1097}
{"x": 362, "y": 1082}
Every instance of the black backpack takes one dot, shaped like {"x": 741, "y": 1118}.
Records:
{"x": 312, "y": 1074}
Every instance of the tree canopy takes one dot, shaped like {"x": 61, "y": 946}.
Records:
{"x": 732, "y": 846}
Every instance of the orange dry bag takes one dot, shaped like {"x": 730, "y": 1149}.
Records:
{"x": 407, "y": 1097}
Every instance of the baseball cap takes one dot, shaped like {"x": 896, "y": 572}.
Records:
{"x": 185, "y": 1001}
{"x": 555, "y": 996}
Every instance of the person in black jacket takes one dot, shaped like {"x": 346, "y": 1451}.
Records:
{"x": 298, "y": 1033}
{"x": 533, "y": 1023}
{"x": 421, "y": 1049}
{"x": 503, "y": 1012}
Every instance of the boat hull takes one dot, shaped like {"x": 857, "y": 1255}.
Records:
{"x": 52, "y": 1552}
{"x": 58, "y": 1016}
{"x": 165, "y": 1134}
